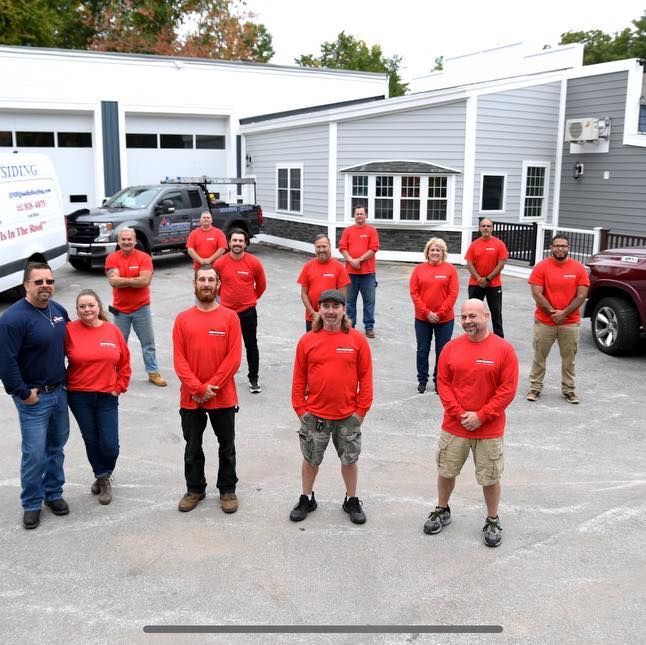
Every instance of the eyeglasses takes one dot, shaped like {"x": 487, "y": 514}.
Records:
{"x": 41, "y": 282}
{"x": 559, "y": 246}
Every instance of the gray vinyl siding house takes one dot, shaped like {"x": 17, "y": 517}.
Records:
{"x": 433, "y": 163}
{"x": 612, "y": 191}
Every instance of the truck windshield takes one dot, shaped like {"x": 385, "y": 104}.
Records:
{"x": 137, "y": 197}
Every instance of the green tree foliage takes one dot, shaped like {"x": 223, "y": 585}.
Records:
{"x": 208, "y": 28}
{"x": 601, "y": 47}
{"x": 348, "y": 52}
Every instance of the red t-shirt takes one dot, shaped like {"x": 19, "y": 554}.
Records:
{"x": 98, "y": 357}
{"x": 434, "y": 287}
{"x": 559, "y": 282}
{"x": 332, "y": 375}
{"x": 478, "y": 377}
{"x": 317, "y": 277}
{"x": 207, "y": 350}
{"x": 485, "y": 255}
{"x": 129, "y": 299}
{"x": 243, "y": 281}
{"x": 356, "y": 240}
{"x": 206, "y": 243}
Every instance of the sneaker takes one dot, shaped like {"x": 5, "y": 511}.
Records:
{"x": 189, "y": 501}
{"x": 105, "y": 490}
{"x": 571, "y": 397}
{"x": 370, "y": 333}
{"x": 156, "y": 379}
{"x": 57, "y": 506}
{"x": 437, "y": 520}
{"x": 421, "y": 387}
{"x": 492, "y": 531}
{"x": 533, "y": 395}
{"x": 95, "y": 487}
{"x": 353, "y": 505}
{"x": 304, "y": 506}
{"x": 254, "y": 386}
{"x": 229, "y": 502}
{"x": 31, "y": 519}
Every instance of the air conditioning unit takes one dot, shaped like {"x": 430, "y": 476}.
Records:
{"x": 581, "y": 130}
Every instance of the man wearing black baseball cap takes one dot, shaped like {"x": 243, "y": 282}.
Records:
{"x": 331, "y": 394}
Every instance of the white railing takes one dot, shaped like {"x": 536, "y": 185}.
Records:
{"x": 594, "y": 247}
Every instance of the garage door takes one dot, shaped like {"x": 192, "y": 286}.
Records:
{"x": 68, "y": 140}
{"x": 159, "y": 147}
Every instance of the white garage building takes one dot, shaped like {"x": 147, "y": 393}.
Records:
{"x": 112, "y": 120}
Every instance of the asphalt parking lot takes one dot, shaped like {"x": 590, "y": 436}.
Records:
{"x": 571, "y": 568}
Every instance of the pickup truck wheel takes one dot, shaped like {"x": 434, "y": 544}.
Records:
{"x": 615, "y": 326}
{"x": 139, "y": 245}
{"x": 80, "y": 265}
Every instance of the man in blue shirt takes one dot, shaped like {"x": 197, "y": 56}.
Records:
{"x": 32, "y": 368}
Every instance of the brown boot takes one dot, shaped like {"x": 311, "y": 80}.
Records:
{"x": 190, "y": 501}
{"x": 105, "y": 490}
{"x": 156, "y": 379}
{"x": 229, "y": 502}
{"x": 95, "y": 487}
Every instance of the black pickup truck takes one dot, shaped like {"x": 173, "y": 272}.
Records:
{"x": 162, "y": 216}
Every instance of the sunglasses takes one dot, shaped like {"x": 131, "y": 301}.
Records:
{"x": 41, "y": 282}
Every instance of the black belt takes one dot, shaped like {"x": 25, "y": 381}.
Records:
{"x": 46, "y": 389}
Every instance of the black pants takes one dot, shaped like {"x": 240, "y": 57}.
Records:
{"x": 249, "y": 325}
{"x": 494, "y": 301}
{"x": 193, "y": 426}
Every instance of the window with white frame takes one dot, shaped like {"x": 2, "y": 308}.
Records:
{"x": 492, "y": 193}
{"x": 289, "y": 189}
{"x": 534, "y": 190}
{"x": 402, "y": 198}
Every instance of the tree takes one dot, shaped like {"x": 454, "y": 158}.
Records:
{"x": 207, "y": 28}
{"x": 600, "y": 47}
{"x": 348, "y": 52}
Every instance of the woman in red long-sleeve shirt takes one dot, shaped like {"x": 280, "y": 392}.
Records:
{"x": 434, "y": 289}
{"x": 98, "y": 372}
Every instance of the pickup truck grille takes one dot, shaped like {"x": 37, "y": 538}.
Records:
{"x": 82, "y": 232}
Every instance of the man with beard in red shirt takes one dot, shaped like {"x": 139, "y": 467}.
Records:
{"x": 207, "y": 350}
{"x": 477, "y": 380}
{"x": 331, "y": 394}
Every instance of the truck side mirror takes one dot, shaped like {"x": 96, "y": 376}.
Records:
{"x": 165, "y": 207}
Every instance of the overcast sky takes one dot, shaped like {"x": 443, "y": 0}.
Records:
{"x": 420, "y": 30}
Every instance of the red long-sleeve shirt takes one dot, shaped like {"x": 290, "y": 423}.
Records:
{"x": 98, "y": 358}
{"x": 317, "y": 277}
{"x": 434, "y": 287}
{"x": 332, "y": 375}
{"x": 480, "y": 377}
{"x": 207, "y": 350}
{"x": 356, "y": 240}
{"x": 243, "y": 281}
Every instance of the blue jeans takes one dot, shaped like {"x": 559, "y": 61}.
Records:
{"x": 45, "y": 427}
{"x": 141, "y": 321}
{"x": 366, "y": 285}
{"x": 424, "y": 334}
{"x": 97, "y": 414}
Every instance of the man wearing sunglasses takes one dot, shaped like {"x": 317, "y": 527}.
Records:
{"x": 32, "y": 368}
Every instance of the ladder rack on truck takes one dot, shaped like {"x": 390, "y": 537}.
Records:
{"x": 205, "y": 181}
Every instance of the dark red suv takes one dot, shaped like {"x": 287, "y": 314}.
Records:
{"x": 616, "y": 303}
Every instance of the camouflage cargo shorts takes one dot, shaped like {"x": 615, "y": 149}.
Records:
{"x": 314, "y": 435}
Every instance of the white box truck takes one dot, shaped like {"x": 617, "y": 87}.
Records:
{"x": 32, "y": 222}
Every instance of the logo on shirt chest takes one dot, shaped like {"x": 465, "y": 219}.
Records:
{"x": 244, "y": 273}
{"x": 569, "y": 276}
{"x": 107, "y": 344}
{"x": 440, "y": 277}
{"x": 329, "y": 275}
{"x": 57, "y": 319}
{"x": 135, "y": 267}
{"x": 484, "y": 361}
{"x": 216, "y": 332}
{"x": 345, "y": 350}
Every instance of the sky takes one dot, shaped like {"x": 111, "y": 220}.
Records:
{"x": 421, "y": 30}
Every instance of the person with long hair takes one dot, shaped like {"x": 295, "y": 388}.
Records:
{"x": 434, "y": 287}
{"x": 98, "y": 372}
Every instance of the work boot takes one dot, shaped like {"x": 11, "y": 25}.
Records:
{"x": 353, "y": 505}
{"x": 156, "y": 379}
{"x": 57, "y": 506}
{"x": 370, "y": 333}
{"x": 229, "y": 502}
{"x": 31, "y": 519}
{"x": 421, "y": 387}
{"x": 189, "y": 501}
{"x": 95, "y": 487}
{"x": 105, "y": 490}
{"x": 304, "y": 506}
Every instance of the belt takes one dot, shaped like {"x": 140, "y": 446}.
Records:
{"x": 46, "y": 389}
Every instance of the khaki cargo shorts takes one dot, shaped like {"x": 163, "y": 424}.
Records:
{"x": 314, "y": 435}
{"x": 452, "y": 452}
